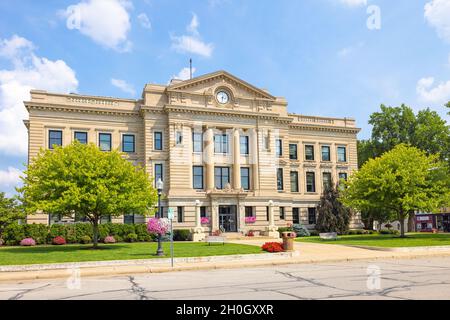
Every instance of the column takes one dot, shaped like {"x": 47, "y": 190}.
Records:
{"x": 254, "y": 159}
{"x": 198, "y": 234}
{"x": 236, "y": 160}
{"x": 272, "y": 229}
{"x": 208, "y": 158}
{"x": 214, "y": 216}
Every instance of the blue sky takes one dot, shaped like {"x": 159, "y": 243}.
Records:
{"x": 322, "y": 55}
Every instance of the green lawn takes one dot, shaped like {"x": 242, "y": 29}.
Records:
{"x": 387, "y": 241}
{"x": 119, "y": 251}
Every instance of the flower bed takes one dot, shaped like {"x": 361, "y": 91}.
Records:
{"x": 28, "y": 242}
{"x": 272, "y": 247}
{"x": 109, "y": 239}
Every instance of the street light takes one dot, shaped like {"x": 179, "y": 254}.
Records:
{"x": 159, "y": 187}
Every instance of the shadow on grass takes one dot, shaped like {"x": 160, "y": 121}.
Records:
{"x": 66, "y": 248}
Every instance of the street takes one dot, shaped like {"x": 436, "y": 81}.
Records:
{"x": 425, "y": 278}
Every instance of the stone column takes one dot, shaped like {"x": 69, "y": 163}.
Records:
{"x": 214, "y": 216}
{"x": 272, "y": 229}
{"x": 236, "y": 160}
{"x": 254, "y": 159}
{"x": 208, "y": 158}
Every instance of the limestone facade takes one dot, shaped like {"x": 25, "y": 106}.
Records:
{"x": 229, "y": 153}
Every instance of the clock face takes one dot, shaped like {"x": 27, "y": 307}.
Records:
{"x": 223, "y": 97}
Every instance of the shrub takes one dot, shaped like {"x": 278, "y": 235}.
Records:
{"x": 272, "y": 247}
{"x": 13, "y": 234}
{"x": 250, "y": 233}
{"x": 301, "y": 230}
{"x": 28, "y": 242}
{"x": 182, "y": 235}
{"x": 314, "y": 233}
{"x": 357, "y": 231}
{"x": 109, "y": 239}
{"x": 85, "y": 239}
{"x": 2, "y": 242}
{"x": 131, "y": 237}
{"x": 58, "y": 241}
{"x": 39, "y": 232}
{"x": 387, "y": 231}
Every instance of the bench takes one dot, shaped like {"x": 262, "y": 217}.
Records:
{"x": 328, "y": 236}
{"x": 215, "y": 239}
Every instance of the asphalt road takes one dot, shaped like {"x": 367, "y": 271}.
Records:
{"x": 380, "y": 279}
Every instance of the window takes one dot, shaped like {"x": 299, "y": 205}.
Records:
{"x": 80, "y": 218}
{"x": 158, "y": 137}
{"x": 54, "y": 138}
{"x": 295, "y": 215}
{"x": 294, "y": 181}
{"x": 309, "y": 152}
{"x": 128, "y": 219}
{"x": 280, "y": 179}
{"x": 343, "y": 176}
{"x": 244, "y": 145}
{"x": 197, "y": 141}
{"x": 104, "y": 141}
{"x": 293, "y": 152}
{"x": 179, "y": 137}
{"x": 310, "y": 182}
{"x": 197, "y": 177}
{"x": 267, "y": 213}
{"x": 202, "y": 212}
{"x": 266, "y": 142}
{"x": 311, "y": 215}
{"x": 279, "y": 147}
{"x": 158, "y": 172}
{"x": 220, "y": 143}
{"x": 249, "y": 212}
{"x": 221, "y": 177}
{"x": 326, "y": 153}
{"x": 245, "y": 178}
{"x": 81, "y": 137}
{"x": 105, "y": 219}
{"x": 342, "y": 154}
{"x": 128, "y": 143}
{"x": 282, "y": 215}
{"x": 180, "y": 214}
{"x": 326, "y": 179}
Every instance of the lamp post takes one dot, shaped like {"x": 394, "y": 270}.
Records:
{"x": 159, "y": 187}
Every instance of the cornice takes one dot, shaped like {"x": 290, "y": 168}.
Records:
{"x": 78, "y": 109}
{"x": 316, "y": 127}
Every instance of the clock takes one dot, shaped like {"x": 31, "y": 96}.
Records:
{"x": 223, "y": 97}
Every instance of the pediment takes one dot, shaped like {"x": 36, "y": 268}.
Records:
{"x": 209, "y": 83}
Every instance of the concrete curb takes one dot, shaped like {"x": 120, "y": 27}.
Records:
{"x": 403, "y": 249}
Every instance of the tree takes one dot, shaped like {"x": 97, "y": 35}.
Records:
{"x": 80, "y": 179}
{"x": 10, "y": 211}
{"x": 448, "y": 106}
{"x": 333, "y": 216}
{"x": 401, "y": 181}
{"x": 394, "y": 125}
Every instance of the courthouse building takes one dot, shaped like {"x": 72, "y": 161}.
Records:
{"x": 231, "y": 156}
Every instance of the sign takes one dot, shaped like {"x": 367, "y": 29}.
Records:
{"x": 170, "y": 213}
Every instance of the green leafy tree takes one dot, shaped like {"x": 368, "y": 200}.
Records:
{"x": 10, "y": 212}
{"x": 80, "y": 179}
{"x": 332, "y": 215}
{"x": 401, "y": 181}
{"x": 395, "y": 125}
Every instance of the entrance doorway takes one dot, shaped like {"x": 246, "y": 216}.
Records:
{"x": 228, "y": 218}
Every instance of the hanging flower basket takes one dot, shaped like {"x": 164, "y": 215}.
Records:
{"x": 250, "y": 220}
{"x": 204, "y": 220}
{"x": 158, "y": 226}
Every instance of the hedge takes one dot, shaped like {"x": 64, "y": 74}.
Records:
{"x": 75, "y": 233}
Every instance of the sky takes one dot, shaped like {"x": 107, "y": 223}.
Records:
{"x": 337, "y": 58}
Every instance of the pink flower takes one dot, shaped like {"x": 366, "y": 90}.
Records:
{"x": 158, "y": 225}
{"x": 204, "y": 220}
{"x": 109, "y": 239}
{"x": 250, "y": 219}
{"x": 28, "y": 242}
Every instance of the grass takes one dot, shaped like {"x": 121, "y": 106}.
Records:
{"x": 119, "y": 251}
{"x": 387, "y": 241}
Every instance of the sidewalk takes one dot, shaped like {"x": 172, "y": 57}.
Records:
{"x": 304, "y": 253}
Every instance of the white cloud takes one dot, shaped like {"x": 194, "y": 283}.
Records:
{"x": 29, "y": 72}
{"x": 106, "y": 22}
{"x": 144, "y": 21}
{"x": 437, "y": 13}
{"x": 354, "y": 3}
{"x": 10, "y": 177}
{"x": 184, "y": 74}
{"x": 439, "y": 94}
{"x": 192, "y": 43}
{"x": 124, "y": 86}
